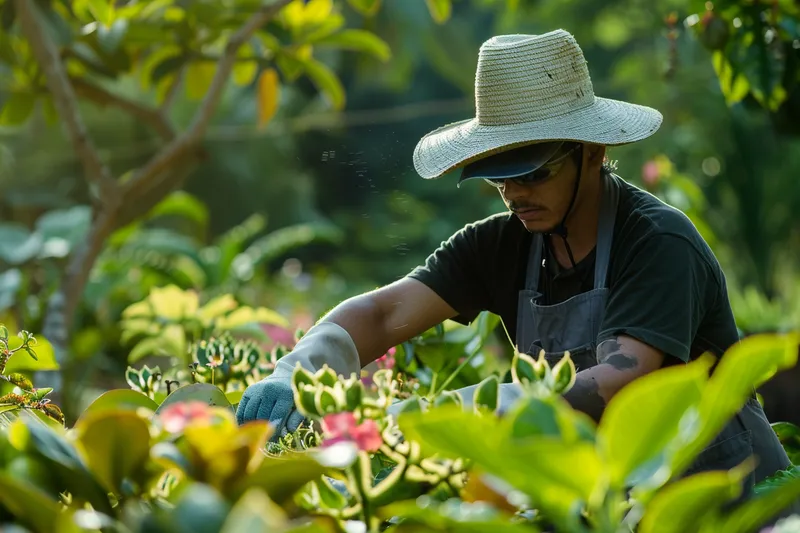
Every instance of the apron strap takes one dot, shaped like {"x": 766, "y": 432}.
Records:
{"x": 534, "y": 263}
{"x": 605, "y": 230}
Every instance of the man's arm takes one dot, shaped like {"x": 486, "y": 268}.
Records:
{"x": 389, "y": 316}
{"x": 619, "y": 361}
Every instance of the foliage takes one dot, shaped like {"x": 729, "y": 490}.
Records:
{"x": 164, "y": 463}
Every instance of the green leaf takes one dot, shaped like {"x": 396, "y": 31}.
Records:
{"x": 255, "y": 511}
{"x": 244, "y": 71}
{"x": 153, "y": 346}
{"x": 200, "y": 508}
{"x": 281, "y": 477}
{"x": 110, "y": 37}
{"x": 119, "y": 399}
{"x": 644, "y": 417}
{"x": 23, "y": 362}
{"x": 742, "y": 369}
{"x": 454, "y": 516}
{"x": 197, "y": 392}
{"x": 541, "y": 467}
{"x": 17, "y": 109}
{"x": 216, "y": 308}
{"x": 28, "y": 504}
{"x": 182, "y": 204}
{"x": 198, "y": 78}
{"x": 683, "y": 505}
{"x": 18, "y": 244}
{"x": 758, "y": 510}
{"x": 358, "y": 41}
{"x": 117, "y": 445}
{"x": 789, "y": 435}
{"x": 365, "y": 7}
{"x": 777, "y": 480}
{"x": 440, "y": 10}
{"x": 326, "y": 82}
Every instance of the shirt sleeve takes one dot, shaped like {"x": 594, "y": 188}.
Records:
{"x": 457, "y": 271}
{"x": 659, "y": 295}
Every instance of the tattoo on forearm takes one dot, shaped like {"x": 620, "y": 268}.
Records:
{"x": 612, "y": 353}
{"x": 584, "y": 396}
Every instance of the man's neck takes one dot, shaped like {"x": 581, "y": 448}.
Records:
{"x": 581, "y": 223}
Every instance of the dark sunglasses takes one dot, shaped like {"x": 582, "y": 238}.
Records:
{"x": 540, "y": 174}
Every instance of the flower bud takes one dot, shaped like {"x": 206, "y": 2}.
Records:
{"x": 486, "y": 394}
{"x": 564, "y": 374}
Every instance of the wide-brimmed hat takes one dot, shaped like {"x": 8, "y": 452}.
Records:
{"x": 532, "y": 89}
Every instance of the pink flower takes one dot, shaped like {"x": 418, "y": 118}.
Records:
{"x": 387, "y": 359}
{"x": 650, "y": 173}
{"x": 342, "y": 427}
{"x": 176, "y": 417}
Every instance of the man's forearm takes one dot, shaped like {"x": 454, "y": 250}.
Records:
{"x": 620, "y": 361}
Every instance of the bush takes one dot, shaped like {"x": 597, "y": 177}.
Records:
{"x": 172, "y": 459}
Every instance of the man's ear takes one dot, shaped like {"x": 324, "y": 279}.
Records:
{"x": 595, "y": 155}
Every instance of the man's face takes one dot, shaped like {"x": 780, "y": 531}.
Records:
{"x": 541, "y": 205}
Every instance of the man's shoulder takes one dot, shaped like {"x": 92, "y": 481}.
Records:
{"x": 644, "y": 215}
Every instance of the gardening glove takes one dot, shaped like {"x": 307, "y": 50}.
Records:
{"x": 272, "y": 398}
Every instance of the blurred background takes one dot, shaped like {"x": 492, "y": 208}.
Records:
{"x": 300, "y": 190}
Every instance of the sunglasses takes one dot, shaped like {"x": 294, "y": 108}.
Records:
{"x": 542, "y": 173}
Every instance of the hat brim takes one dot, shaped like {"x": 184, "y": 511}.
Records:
{"x": 606, "y": 122}
{"x": 511, "y": 163}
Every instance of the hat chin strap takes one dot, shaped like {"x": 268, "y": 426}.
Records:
{"x": 561, "y": 228}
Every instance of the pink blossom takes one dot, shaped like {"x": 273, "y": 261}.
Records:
{"x": 176, "y": 417}
{"x": 650, "y": 173}
{"x": 387, "y": 360}
{"x": 342, "y": 427}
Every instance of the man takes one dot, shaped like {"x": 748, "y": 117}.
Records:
{"x": 583, "y": 261}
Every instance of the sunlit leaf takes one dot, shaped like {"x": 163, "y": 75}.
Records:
{"x": 198, "y": 78}
{"x": 120, "y": 399}
{"x": 440, "y": 10}
{"x": 682, "y": 505}
{"x": 643, "y": 417}
{"x": 117, "y": 444}
{"x": 777, "y": 480}
{"x": 23, "y": 362}
{"x": 365, "y": 7}
{"x": 202, "y": 392}
{"x": 359, "y": 41}
{"x": 326, "y": 81}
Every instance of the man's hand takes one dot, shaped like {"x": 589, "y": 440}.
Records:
{"x": 619, "y": 361}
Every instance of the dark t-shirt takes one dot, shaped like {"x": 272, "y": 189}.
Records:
{"x": 666, "y": 287}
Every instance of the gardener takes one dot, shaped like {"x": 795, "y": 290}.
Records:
{"x": 584, "y": 261}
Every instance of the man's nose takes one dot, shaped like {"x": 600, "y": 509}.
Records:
{"x": 512, "y": 190}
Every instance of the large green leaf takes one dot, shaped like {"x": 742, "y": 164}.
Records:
{"x": 182, "y": 204}
{"x": 359, "y": 41}
{"x": 117, "y": 445}
{"x": 326, "y": 81}
{"x": 119, "y": 399}
{"x": 682, "y": 506}
{"x": 740, "y": 371}
{"x": 281, "y": 477}
{"x": 17, "y": 243}
{"x": 365, "y": 7}
{"x": 255, "y": 511}
{"x": 777, "y": 480}
{"x": 440, "y": 10}
{"x": 643, "y": 417}
{"x": 789, "y": 435}
{"x": 452, "y": 516}
{"x": 29, "y": 505}
{"x": 196, "y": 392}
{"x": 200, "y": 508}
{"x": 756, "y": 511}
{"x": 543, "y": 467}
{"x": 22, "y": 362}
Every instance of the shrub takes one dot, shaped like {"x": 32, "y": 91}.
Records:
{"x": 174, "y": 460}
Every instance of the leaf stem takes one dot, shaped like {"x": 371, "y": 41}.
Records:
{"x": 465, "y": 362}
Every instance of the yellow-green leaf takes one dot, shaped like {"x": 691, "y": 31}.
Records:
{"x": 681, "y": 506}
{"x": 196, "y": 392}
{"x": 120, "y": 399}
{"x": 359, "y": 41}
{"x": 216, "y": 308}
{"x": 28, "y": 504}
{"x": 23, "y": 362}
{"x": 643, "y": 417}
{"x": 116, "y": 445}
{"x": 269, "y": 89}
{"x": 326, "y": 82}
{"x": 198, "y": 78}
{"x": 172, "y": 302}
{"x": 440, "y": 10}
{"x": 244, "y": 71}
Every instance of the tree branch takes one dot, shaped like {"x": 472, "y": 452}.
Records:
{"x": 187, "y": 141}
{"x": 147, "y": 114}
{"x": 65, "y": 101}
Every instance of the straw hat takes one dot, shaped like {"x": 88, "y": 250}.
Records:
{"x": 529, "y": 89}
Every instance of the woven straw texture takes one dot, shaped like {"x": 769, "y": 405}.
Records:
{"x": 532, "y": 88}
